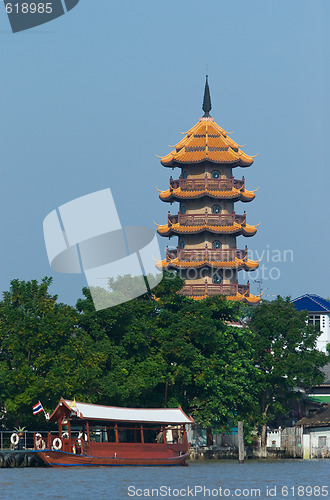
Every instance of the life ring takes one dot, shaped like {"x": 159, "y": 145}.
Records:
{"x": 57, "y": 444}
{"x": 80, "y": 435}
{"x": 14, "y": 438}
{"x": 65, "y": 435}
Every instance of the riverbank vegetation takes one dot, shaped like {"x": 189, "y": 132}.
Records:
{"x": 153, "y": 353}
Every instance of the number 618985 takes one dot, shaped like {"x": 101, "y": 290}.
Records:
{"x": 30, "y": 8}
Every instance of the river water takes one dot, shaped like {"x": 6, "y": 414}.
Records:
{"x": 283, "y": 479}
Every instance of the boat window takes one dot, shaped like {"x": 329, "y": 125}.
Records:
{"x": 174, "y": 435}
{"x": 98, "y": 434}
{"x": 76, "y": 431}
{"x": 111, "y": 434}
{"x": 152, "y": 434}
{"x": 129, "y": 435}
{"x": 215, "y": 174}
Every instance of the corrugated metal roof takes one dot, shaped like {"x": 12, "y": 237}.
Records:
{"x": 153, "y": 415}
{"x": 320, "y": 418}
{"x": 311, "y": 303}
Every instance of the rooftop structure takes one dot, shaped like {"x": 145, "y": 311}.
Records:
{"x": 318, "y": 314}
{"x": 207, "y": 224}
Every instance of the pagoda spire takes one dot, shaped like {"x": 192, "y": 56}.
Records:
{"x": 207, "y": 99}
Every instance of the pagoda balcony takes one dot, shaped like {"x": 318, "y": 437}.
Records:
{"x": 211, "y": 289}
{"x": 206, "y": 254}
{"x": 205, "y": 218}
{"x": 207, "y": 183}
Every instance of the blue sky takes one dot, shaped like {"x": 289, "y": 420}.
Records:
{"x": 88, "y": 100}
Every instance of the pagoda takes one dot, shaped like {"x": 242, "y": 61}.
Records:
{"x": 207, "y": 225}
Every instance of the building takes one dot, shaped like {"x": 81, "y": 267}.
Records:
{"x": 207, "y": 225}
{"x": 319, "y": 315}
{"x": 316, "y": 434}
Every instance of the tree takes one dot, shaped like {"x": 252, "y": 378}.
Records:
{"x": 286, "y": 355}
{"x": 171, "y": 351}
{"x": 43, "y": 355}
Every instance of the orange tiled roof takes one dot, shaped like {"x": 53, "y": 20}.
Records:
{"x": 248, "y": 265}
{"x": 249, "y": 299}
{"x": 244, "y": 229}
{"x": 224, "y": 195}
{"x": 207, "y": 141}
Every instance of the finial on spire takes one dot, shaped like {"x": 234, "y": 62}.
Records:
{"x": 207, "y": 99}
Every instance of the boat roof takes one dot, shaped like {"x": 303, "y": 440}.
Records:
{"x": 87, "y": 411}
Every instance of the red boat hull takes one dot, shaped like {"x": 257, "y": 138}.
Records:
{"x": 63, "y": 459}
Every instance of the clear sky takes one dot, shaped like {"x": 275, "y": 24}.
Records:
{"x": 88, "y": 100}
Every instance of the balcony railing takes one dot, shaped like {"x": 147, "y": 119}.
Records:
{"x": 211, "y": 184}
{"x": 215, "y": 289}
{"x": 209, "y": 254}
{"x": 210, "y": 219}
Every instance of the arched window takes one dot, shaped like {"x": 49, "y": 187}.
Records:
{"x": 216, "y": 209}
{"x": 217, "y": 279}
{"x": 216, "y": 244}
{"x": 181, "y": 244}
{"x": 215, "y": 174}
{"x": 184, "y": 174}
{"x": 183, "y": 209}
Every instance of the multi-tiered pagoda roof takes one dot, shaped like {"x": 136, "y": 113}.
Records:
{"x": 206, "y": 156}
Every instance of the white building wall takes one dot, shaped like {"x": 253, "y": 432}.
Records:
{"x": 274, "y": 439}
{"x": 324, "y": 338}
{"x": 320, "y": 444}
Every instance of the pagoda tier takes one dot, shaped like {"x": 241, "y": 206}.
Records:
{"x": 221, "y": 189}
{"x": 229, "y": 258}
{"x": 207, "y": 141}
{"x": 232, "y": 291}
{"x": 207, "y": 225}
{"x": 214, "y": 223}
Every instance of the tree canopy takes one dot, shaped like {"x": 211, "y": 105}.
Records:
{"x": 161, "y": 349}
{"x": 286, "y": 354}
{"x": 43, "y": 354}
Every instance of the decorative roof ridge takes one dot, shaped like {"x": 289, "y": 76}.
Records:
{"x": 206, "y": 119}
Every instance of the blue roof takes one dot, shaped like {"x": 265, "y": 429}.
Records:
{"x": 311, "y": 303}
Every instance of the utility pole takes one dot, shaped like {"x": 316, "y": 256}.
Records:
{"x": 240, "y": 443}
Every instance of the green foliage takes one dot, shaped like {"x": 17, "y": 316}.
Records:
{"x": 173, "y": 351}
{"x": 42, "y": 353}
{"x": 158, "y": 350}
{"x": 286, "y": 354}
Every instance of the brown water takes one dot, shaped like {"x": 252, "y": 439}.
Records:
{"x": 284, "y": 479}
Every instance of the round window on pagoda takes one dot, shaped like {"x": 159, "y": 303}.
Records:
{"x": 216, "y": 209}
{"x": 184, "y": 174}
{"x": 216, "y": 244}
{"x": 215, "y": 174}
{"x": 183, "y": 209}
{"x": 217, "y": 279}
{"x": 181, "y": 245}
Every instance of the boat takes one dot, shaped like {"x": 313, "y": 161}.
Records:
{"x": 96, "y": 435}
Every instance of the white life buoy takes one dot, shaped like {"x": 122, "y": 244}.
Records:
{"x": 57, "y": 443}
{"x": 65, "y": 435}
{"x": 80, "y": 435}
{"x": 14, "y": 438}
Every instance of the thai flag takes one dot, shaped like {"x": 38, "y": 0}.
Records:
{"x": 37, "y": 408}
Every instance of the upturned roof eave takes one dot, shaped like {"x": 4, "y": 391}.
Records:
{"x": 175, "y": 163}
